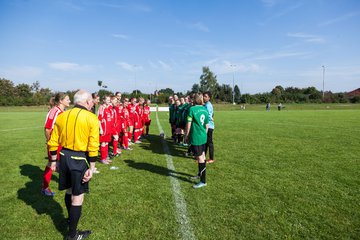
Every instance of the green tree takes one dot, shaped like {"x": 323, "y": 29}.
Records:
{"x": 166, "y": 91}
{"x": 225, "y": 93}
{"x": 237, "y": 94}
{"x": 195, "y": 88}
{"x": 208, "y": 82}
{"x": 35, "y": 87}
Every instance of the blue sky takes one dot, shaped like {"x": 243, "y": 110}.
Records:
{"x": 71, "y": 44}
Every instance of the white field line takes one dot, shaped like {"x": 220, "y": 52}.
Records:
{"x": 18, "y": 129}
{"x": 181, "y": 212}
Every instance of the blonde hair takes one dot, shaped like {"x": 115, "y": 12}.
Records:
{"x": 199, "y": 99}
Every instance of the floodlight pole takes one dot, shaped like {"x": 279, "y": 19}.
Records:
{"x": 323, "y": 82}
{"x": 233, "y": 90}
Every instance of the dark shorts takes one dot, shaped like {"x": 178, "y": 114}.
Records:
{"x": 198, "y": 150}
{"x": 72, "y": 168}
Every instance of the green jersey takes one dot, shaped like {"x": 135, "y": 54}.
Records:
{"x": 199, "y": 117}
{"x": 172, "y": 113}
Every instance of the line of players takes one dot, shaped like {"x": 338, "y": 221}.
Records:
{"x": 122, "y": 123}
{"x": 178, "y": 111}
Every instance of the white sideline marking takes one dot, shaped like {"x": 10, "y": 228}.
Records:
{"x": 17, "y": 129}
{"x": 181, "y": 216}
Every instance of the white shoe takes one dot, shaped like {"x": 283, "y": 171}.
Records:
{"x": 199, "y": 185}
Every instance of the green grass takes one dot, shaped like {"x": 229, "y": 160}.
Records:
{"x": 283, "y": 175}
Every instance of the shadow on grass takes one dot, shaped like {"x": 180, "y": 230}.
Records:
{"x": 31, "y": 195}
{"x": 154, "y": 143}
{"x": 158, "y": 170}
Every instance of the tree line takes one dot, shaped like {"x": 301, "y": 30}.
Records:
{"x": 30, "y": 95}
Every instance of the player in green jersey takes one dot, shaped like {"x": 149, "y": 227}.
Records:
{"x": 196, "y": 134}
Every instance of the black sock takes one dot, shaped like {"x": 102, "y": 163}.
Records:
{"x": 68, "y": 202}
{"x": 202, "y": 172}
{"x": 74, "y": 216}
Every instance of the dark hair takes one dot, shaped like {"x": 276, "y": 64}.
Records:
{"x": 208, "y": 93}
{"x": 58, "y": 97}
{"x": 94, "y": 95}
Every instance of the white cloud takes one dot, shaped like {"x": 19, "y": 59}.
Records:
{"x": 129, "y": 7}
{"x": 307, "y": 37}
{"x": 68, "y": 66}
{"x": 24, "y": 72}
{"x": 200, "y": 26}
{"x": 165, "y": 66}
{"x": 121, "y": 36}
{"x": 160, "y": 65}
{"x": 281, "y": 13}
{"x": 269, "y": 3}
{"x": 281, "y": 55}
{"x": 339, "y": 19}
{"x": 129, "y": 67}
{"x": 224, "y": 67}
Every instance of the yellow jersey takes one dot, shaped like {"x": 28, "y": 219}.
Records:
{"x": 76, "y": 129}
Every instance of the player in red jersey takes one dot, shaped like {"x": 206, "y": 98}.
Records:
{"x": 60, "y": 101}
{"x": 132, "y": 111}
{"x": 105, "y": 117}
{"x": 138, "y": 123}
{"x": 124, "y": 125}
{"x": 116, "y": 126}
{"x": 146, "y": 118}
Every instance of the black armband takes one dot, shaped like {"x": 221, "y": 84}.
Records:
{"x": 92, "y": 159}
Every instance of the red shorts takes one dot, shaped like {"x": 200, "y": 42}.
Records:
{"x": 147, "y": 122}
{"x": 105, "y": 138}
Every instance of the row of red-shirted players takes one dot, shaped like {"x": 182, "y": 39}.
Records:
{"x": 120, "y": 123}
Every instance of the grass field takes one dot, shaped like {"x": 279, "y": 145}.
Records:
{"x": 277, "y": 175}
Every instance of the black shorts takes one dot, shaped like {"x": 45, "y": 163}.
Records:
{"x": 72, "y": 168}
{"x": 198, "y": 150}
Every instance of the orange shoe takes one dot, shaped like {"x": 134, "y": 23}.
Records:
{"x": 210, "y": 161}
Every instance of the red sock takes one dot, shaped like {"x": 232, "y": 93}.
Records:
{"x": 125, "y": 141}
{"x": 129, "y": 135}
{"x": 47, "y": 177}
{"x": 136, "y": 134}
{"x": 115, "y": 146}
{"x": 103, "y": 152}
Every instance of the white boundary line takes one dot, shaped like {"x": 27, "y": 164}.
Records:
{"x": 181, "y": 212}
{"x": 17, "y": 129}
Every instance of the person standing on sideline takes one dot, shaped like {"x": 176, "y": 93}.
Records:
{"x": 196, "y": 132}
{"x": 209, "y": 143}
{"x": 96, "y": 100}
{"x": 60, "y": 102}
{"x": 77, "y": 131}
{"x": 146, "y": 118}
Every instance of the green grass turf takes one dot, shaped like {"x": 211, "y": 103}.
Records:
{"x": 283, "y": 175}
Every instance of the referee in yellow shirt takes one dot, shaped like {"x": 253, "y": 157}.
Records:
{"x": 77, "y": 131}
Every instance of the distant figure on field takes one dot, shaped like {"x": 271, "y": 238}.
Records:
{"x": 268, "y": 107}
{"x": 279, "y": 106}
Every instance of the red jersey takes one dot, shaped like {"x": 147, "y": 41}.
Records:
{"x": 146, "y": 113}
{"x": 124, "y": 115}
{"x": 51, "y": 117}
{"x": 116, "y": 120}
{"x": 105, "y": 116}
